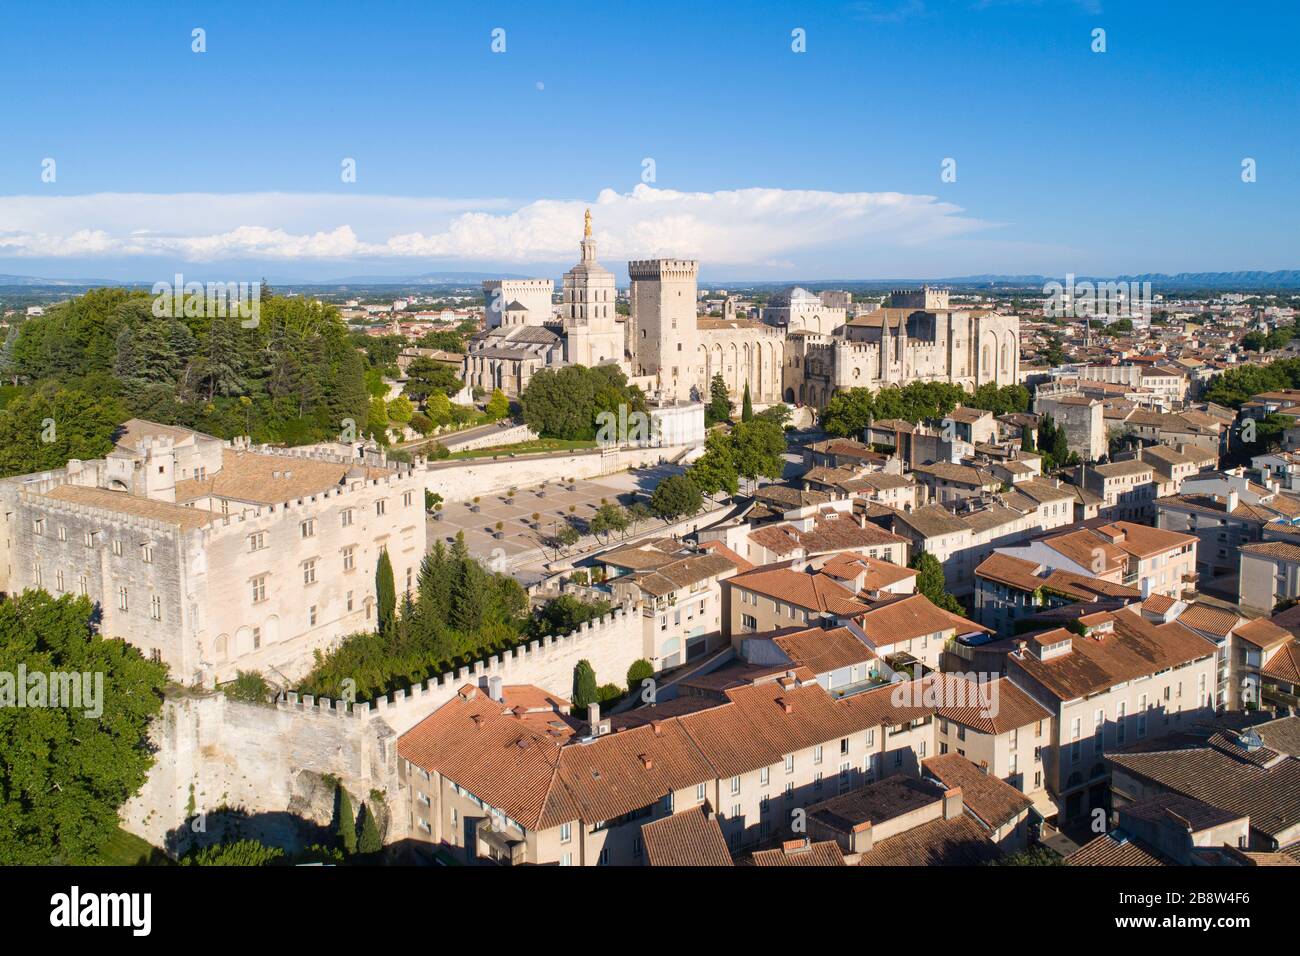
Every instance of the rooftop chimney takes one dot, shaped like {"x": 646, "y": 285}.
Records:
{"x": 1231, "y": 503}
{"x": 952, "y": 803}
{"x": 785, "y": 705}
{"x": 495, "y": 689}
{"x": 593, "y": 717}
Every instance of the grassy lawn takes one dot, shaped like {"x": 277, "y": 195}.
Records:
{"x": 126, "y": 849}
{"x": 522, "y": 448}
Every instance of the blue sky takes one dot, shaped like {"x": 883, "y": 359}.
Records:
{"x": 768, "y": 163}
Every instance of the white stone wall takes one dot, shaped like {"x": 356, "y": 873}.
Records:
{"x": 463, "y": 480}
{"x": 263, "y": 759}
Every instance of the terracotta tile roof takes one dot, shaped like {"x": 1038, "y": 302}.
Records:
{"x": 718, "y": 547}
{"x": 1136, "y": 648}
{"x": 1025, "y": 576}
{"x": 689, "y": 838}
{"x": 131, "y": 434}
{"x": 269, "y": 479}
{"x": 1262, "y": 633}
{"x": 876, "y": 574}
{"x": 801, "y": 853}
{"x": 1179, "y": 811}
{"x": 823, "y": 650}
{"x": 188, "y": 519}
{"x": 911, "y": 616}
{"x": 1212, "y": 620}
{"x": 889, "y": 706}
{"x": 618, "y": 773}
{"x": 931, "y": 521}
{"x": 1087, "y": 550}
{"x": 814, "y": 592}
{"x": 644, "y": 556}
{"x": 995, "y": 802}
{"x": 1010, "y": 708}
{"x": 1124, "y": 469}
{"x": 1282, "y": 735}
{"x": 1142, "y": 540}
{"x": 755, "y": 729}
{"x": 1274, "y": 549}
{"x": 1116, "y": 849}
{"x": 682, "y": 572}
{"x": 875, "y": 803}
{"x": 1284, "y": 665}
{"x": 1270, "y": 796}
{"x": 958, "y": 841}
{"x": 1269, "y": 859}
{"x": 507, "y": 761}
{"x": 959, "y": 474}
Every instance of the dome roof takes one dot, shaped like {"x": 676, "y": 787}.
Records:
{"x": 793, "y": 295}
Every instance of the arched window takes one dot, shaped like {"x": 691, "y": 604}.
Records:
{"x": 1006, "y": 357}
{"x": 984, "y": 357}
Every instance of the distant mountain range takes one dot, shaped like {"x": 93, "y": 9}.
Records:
{"x": 1226, "y": 281}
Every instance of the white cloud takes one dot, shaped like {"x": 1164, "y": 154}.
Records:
{"x": 748, "y": 227}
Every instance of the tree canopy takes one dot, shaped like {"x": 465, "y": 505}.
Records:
{"x": 65, "y": 771}
{"x": 566, "y": 402}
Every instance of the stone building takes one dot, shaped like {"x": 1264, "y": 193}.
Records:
{"x": 803, "y": 349}
{"x": 216, "y": 556}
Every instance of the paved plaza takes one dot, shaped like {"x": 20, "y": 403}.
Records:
{"x": 557, "y": 504}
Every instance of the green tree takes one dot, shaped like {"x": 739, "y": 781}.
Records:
{"x": 425, "y": 377}
{"x": 675, "y": 496}
{"x": 746, "y": 406}
{"x": 369, "y": 842}
{"x": 608, "y": 519}
{"x": 66, "y": 770}
{"x": 719, "y": 407}
{"x": 758, "y": 448}
{"x": 716, "y": 470}
{"x": 1027, "y": 438}
{"x": 498, "y": 406}
{"x": 848, "y": 413}
{"x": 930, "y": 582}
{"x": 236, "y": 853}
{"x": 585, "y": 689}
{"x": 347, "y": 824}
{"x": 400, "y": 410}
{"x": 43, "y": 430}
{"x": 778, "y": 414}
{"x": 385, "y": 592}
{"x": 570, "y": 402}
{"x": 250, "y": 686}
{"x": 564, "y": 615}
{"x": 639, "y": 671}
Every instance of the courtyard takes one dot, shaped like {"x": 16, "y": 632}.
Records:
{"x": 557, "y": 501}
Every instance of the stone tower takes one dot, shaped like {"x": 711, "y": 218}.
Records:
{"x": 664, "y": 331}
{"x": 591, "y": 332}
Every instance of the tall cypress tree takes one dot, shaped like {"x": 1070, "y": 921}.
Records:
{"x": 385, "y": 592}
{"x": 369, "y": 841}
{"x": 585, "y": 689}
{"x": 347, "y": 828}
{"x": 747, "y": 407}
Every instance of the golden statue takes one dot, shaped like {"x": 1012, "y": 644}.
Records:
{"x": 586, "y": 225}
